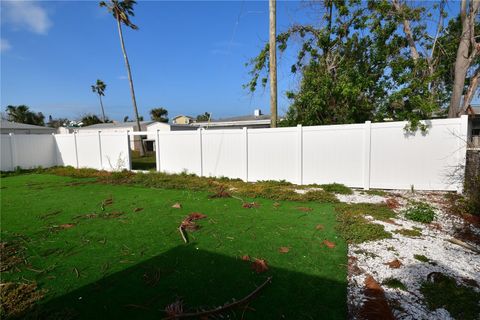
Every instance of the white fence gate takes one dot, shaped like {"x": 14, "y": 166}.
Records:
{"x": 367, "y": 155}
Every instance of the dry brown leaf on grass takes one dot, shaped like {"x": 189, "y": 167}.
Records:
{"x": 283, "y": 249}
{"x": 196, "y": 216}
{"x": 276, "y": 204}
{"x": 304, "y": 209}
{"x": 137, "y": 209}
{"x": 319, "y": 227}
{"x": 248, "y": 205}
{"x": 66, "y": 225}
{"x": 177, "y": 206}
{"x": 246, "y": 258}
{"x": 259, "y": 265}
{"x": 392, "y": 203}
{"x": 394, "y": 264}
{"x": 329, "y": 244}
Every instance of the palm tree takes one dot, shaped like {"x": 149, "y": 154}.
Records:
{"x": 159, "y": 114}
{"x": 99, "y": 88}
{"x": 121, "y": 11}
{"x": 22, "y": 114}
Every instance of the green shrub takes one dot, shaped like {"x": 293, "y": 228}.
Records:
{"x": 460, "y": 301}
{"x": 379, "y": 211}
{"x": 336, "y": 188}
{"x": 356, "y": 229}
{"x": 421, "y": 257}
{"x": 420, "y": 212}
{"x": 409, "y": 232}
{"x": 394, "y": 283}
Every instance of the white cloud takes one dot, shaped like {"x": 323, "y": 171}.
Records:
{"x": 27, "y": 15}
{"x": 5, "y": 45}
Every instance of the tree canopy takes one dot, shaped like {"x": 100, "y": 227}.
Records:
{"x": 22, "y": 114}
{"x": 368, "y": 60}
{"x": 159, "y": 114}
{"x": 203, "y": 117}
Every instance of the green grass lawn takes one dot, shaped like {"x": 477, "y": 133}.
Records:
{"x": 129, "y": 261}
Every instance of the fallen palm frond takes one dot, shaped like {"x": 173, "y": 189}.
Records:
{"x": 188, "y": 224}
{"x": 175, "y": 310}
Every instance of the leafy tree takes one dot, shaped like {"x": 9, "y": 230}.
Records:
{"x": 159, "y": 114}
{"x": 125, "y": 119}
{"x": 56, "y": 123}
{"x": 90, "y": 119}
{"x": 122, "y": 11}
{"x": 203, "y": 117}
{"x": 99, "y": 88}
{"x": 22, "y": 114}
{"x": 371, "y": 60}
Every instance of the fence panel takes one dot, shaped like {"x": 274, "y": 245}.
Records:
{"x": 422, "y": 161}
{"x": 223, "y": 153}
{"x": 180, "y": 151}
{"x": 272, "y": 154}
{"x": 115, "y": 151}
{"x": 65, "y": 150}
{"x": 88, "y": 151}
{"x": 6, "y": 153}
{"x": 35, "y": 150}
{"x": 334, "y": 154}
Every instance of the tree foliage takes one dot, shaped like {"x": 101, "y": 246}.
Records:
{"x": 159, "y": 114}
{"x": 90, "y": 119}
{"x": 203, "y": 117}
{"x": 367, "y": 60}
{"x": 22, "y": 114}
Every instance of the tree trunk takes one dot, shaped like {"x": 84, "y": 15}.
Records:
{"x": 472, "y": 88}
{"x": 408, "y": 32}
{"x": 273, "y": 63}
{"x": 103, "y": 110}
{"x": 465, "y": 55}
{"x": 130, "y": 80}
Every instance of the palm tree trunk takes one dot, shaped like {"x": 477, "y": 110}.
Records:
{"x": 103, "y": 110}
{"x": 130, "y": 80}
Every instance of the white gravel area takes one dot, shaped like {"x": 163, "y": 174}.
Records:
{"x": 444, "y": 256}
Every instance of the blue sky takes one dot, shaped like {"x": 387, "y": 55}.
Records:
{"x": 188, "y": 57}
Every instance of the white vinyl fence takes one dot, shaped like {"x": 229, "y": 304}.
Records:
{"x": 367, "y": 155}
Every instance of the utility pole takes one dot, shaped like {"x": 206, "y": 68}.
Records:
{"x": 273, "y": 63}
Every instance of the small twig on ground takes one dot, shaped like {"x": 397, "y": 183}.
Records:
{"x": 180, "y": 229}
{"x": 217, "y": 310}
{"x": 463, "y": 244}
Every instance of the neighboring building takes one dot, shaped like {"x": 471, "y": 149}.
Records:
{"x": 257, "y": 120}
{"x": 135, "y": 141}
{"x": 7, "y": 127}
{"x": 181, "y": 119}
{"x": 474, "y": 114}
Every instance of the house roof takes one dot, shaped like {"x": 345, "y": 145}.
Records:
{"x": 4, "y": 124}
{"x": 115, "y": 125}
{"x": 182, "y": 115}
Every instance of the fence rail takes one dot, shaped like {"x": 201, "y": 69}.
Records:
{"x": 367, "y": 155}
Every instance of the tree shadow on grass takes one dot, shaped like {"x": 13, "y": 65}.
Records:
{"x": 202, "y": 280}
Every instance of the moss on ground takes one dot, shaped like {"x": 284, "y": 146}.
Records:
{"x": 460, "y": 301}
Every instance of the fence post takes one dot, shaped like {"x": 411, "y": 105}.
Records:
{"x": 367, "y": 154}
{"x": 245, "y": 149}
{"x": 462, "y": 150}
{"x": 201, "y": 150}
{"x": 300, "y": 154}
{"x": 13, "y": 151}
{"x": 75, "y": 148}
{"x": 127, "y": 158}
{"x": 100, "y": 149}
{"x": 157, "y": 151}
